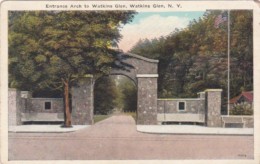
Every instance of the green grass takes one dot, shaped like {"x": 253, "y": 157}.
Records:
{"x": 98, "y": 118}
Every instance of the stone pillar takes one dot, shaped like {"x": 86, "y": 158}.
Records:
{"x": 147, "y": 99}
{"x": 82, "y": 102}
{"x": 14, "y": 107}
{"x": 213, "y": 107}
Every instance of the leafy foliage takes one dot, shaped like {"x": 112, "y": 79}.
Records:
{"x": 47, "y": 46}
{"x": 105, "y": 94}
{"x": 242, "y": 109}
{"x": 128, "y": 91}
{"x": 115, "y": 94}
{"x": 195, "y": 58}
{"x": 51, "y": 49}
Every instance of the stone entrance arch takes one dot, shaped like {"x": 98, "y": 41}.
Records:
{"x": 144, "y": 73}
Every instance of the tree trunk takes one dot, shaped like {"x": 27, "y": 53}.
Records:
{"x": 67, "y": 105}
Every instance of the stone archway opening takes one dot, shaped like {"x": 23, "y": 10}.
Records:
{"x": 144, "y": 73}
{"x": 114, "y": 95}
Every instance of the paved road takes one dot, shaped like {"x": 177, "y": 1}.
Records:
{"x": 116, "y": 138}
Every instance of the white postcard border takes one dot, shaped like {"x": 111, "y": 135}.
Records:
{"x": 185, "y": 6}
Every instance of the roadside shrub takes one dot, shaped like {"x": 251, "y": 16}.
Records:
{"x": 243, "y": 108}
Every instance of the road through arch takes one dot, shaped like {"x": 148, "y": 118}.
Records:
{"x": 144, "y": 73}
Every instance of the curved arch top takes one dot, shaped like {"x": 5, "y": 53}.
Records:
{"x": 141, "y": 65}
{"x": 143, "y": 71}
{"x": 141, "y": 57}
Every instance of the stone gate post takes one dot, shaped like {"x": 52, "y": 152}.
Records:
{"x": 147, "y": 99}
{"x": 82, "y": 101}
{"x": 213, "y": 107}
{"x": 14, "y": 107}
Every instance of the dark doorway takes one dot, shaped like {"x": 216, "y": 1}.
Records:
{"x": 114, "y": 94}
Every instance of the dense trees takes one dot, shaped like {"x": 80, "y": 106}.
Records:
{"x": 115, "y": 93}
{"x": 128, "y": 91}
{"x": 241, "y": 52}
{"x": 52, "y": 49}
{"x": 105, "y": 95}
{"x": 195, "y": 58}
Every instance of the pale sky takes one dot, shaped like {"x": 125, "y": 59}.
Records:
{"x": 154, "y": 25}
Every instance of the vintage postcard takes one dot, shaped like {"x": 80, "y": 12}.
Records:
{"x": 130, "y": 81}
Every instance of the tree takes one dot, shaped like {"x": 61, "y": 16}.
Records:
{"x": 54, "y": 48}
{"x": 105, "y": 95}
{"x": 115, "y": 92}
{"x": 195, "y": 58}
{"x": 128, "y": 91}
{"x": 241, "y": 77}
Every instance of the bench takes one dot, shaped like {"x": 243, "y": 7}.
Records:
{"x": 42, "y": 117}
{"x": 181, "y": 117}
{"x": 233, "y": 122}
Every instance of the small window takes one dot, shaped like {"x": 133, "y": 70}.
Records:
{"x": 181, "y": 105}
{"x": 47, "y": 105}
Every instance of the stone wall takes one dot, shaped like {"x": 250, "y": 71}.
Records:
{"x": 23, "y": 108}
{"x": 194, "y": 110}
{"x": 38, "y": 105}
{"x": 14, "y": 107}
{"x": 238, "y": 121}
{"x": 42, "y": 117}
{"x": 248, "y": 121}
{"x": 195, "y": 106}
{"x": 205, "y": 109}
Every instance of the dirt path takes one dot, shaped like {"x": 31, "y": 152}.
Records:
{"x": 116, "y": 138}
